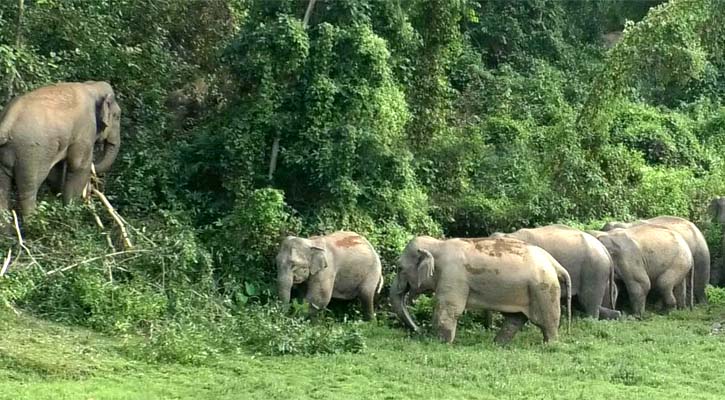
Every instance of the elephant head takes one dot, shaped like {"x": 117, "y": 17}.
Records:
{"x": 108, "y": 122}
{"x": 626, "y": 253}
{"x": 627, "y": 256}
{"x": 415, "y": 276}
{"x": 298, "y": 260}
{"x": 717, "y": 209}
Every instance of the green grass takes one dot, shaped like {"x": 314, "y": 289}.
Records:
{"x": 662, "y": 357}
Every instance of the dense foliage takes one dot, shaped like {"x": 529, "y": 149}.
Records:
{"x": 391, "y": 118}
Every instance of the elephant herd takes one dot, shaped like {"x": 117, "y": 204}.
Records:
{"x": 50, "y": 133}
{"x": 525, "y": 275}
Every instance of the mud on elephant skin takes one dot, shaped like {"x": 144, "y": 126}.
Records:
{"x": 55, "y": 124}
{"x": 341, "y": 265}
{"x": 695, "y": 241}
{"x": 507, "y": 275}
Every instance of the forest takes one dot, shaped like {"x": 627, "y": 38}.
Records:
{"x": 245, "y": 121}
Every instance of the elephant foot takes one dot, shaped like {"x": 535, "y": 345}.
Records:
{"x": 608, "y": 314}
{"x": 511, "y": 325}
{"x": 446, "y": 335}
{"x": 550, "y": 335}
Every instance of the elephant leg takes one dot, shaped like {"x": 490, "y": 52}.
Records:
{"x": 702, "y": 277}
{"x": 679, "y": 292}
{"x": 591, "y": 302}
{"x": 75, "y": 182}
{"x": 367, "y": 298}
{"x": 78, "y": 171}
{"x": 512, "y": 323}
{"x": 445, "y": 317}
{"x": 637, "y": 292}
{"x": 665, "y": 287}
{"x": 6, "y": 185}
{"x": 27, "y": 180}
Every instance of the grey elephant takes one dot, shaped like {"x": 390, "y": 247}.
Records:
{"x": 54, "y": 124}
{"x": 342, "y": 265}
{"x": 650, "y": 257}
{"x": 717, "y": 212}
{"x": 695, "y": 241}
{"x": 520, "y": 280}
{"x": 585, "y": 258}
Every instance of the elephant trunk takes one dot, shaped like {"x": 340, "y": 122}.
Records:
{"x": 398, "y": 297}
{"x": 110, "y": 151}
{"x": 284, "y": 288}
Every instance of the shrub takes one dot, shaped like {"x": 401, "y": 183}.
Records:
{"x": 716, "y": 295}
{"x": 265, "y": 330}
{"x": 258, "y": 329}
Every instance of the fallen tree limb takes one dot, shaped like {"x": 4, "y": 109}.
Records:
{"x": 114, "y": 254}
{"x": 6, "y": 263}
{"x": 22, "y": 243}
{"x": 126, "y": 241}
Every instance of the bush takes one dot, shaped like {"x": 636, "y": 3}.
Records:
{"x": 716, "y": 295}
{"x": 267, "y": 331}
{"x": 257, "y": 329}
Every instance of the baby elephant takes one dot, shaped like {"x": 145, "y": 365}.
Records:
{"x": 342, "y": 265}
{"x": 500, "y": 274}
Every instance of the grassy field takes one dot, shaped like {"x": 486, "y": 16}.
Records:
{"x": 680, "y": 356}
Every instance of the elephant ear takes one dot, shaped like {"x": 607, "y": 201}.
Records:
{"x": 426, "y": 266}
{"x": 105, "y": 111}
{"x": 318, "y": 260}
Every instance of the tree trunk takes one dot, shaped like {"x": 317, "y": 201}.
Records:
{"x": 308, "y": 13}
{"x": 275, "y": 144}
{"x": 18, "y": 43}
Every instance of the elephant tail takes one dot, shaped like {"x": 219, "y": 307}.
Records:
{"x": 691, "y": 300}
{"x": 563, "y": 275}
{"x": 612, "y": 301}
{"x": 380, "y": 285}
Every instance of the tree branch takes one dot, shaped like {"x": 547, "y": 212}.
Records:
{"x": 55, "y": 271}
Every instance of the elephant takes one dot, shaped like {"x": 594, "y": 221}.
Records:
{"x": 696, "y": 242}
{"x": 584, "y": 257}
{"x": 342, "y": 265}
{"x": 649, "y": 257}
{"x": 717, "y": 212}
{"x": 520, "y": 280}
{"x": 54, "y": 124}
